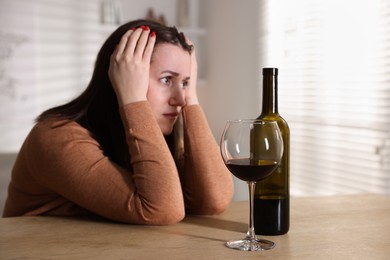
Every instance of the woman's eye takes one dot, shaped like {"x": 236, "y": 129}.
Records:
{"x": 165, "y": 80}
{"x": 184, "y": 84}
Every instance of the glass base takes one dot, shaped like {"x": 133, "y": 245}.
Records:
{"x": 250, "y": 245}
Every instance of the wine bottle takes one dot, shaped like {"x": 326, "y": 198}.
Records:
{"x": 272, "y": 195}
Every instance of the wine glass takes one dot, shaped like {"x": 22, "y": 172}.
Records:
{"x": 251, "y": 150}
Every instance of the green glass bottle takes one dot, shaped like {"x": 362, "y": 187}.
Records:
{"x": 272, "y": 195}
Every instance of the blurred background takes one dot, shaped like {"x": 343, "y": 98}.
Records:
{"x": 334, "y": 74}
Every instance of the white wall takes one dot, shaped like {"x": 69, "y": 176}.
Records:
{"x": 233, "y": 73}
{"x": 6, "y": 164}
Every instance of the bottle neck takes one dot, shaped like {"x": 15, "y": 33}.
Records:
{"x": 270, "y": 95}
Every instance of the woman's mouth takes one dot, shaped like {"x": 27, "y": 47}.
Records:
{"x": 171, "y": 116}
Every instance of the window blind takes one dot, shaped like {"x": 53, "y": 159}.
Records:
{"x": 47, "y": 54}
{"x": 334, "y": 90}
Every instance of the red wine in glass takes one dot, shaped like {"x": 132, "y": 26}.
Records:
{"x": 251, "y": 170}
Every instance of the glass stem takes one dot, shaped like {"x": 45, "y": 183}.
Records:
{"x": 251, "y": 228}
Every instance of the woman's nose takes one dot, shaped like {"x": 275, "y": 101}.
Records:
{"x": 177, "y": 97}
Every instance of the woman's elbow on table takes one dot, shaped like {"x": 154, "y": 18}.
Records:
{"x": 209, "y": 206}
{"x": 215, "y": 208}
{"x": 167, "y": 217}
{"x": 144, "y": 214}
{"x": 216, "y": 201}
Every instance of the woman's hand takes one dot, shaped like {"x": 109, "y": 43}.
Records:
{"x": 191, "y": 96}
{"x": 129, "y": 65}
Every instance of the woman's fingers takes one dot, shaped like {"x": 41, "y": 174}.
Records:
{"x": 142, "y": 42}
{"x": 122, "y": 44}
{"x": 132, "y": 42}
{"x": 191, "y": 93}
{"x": 136, "y": 43}
{"x": 147, "y": 55}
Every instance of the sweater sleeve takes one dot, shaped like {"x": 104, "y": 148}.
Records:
{"x": 73, "y": 164}
{"x": 206, "y": 182}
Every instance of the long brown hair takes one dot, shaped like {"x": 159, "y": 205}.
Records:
{"x": 97, "y": 107}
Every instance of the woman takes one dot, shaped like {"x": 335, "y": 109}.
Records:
{"x": 113, "y": 152}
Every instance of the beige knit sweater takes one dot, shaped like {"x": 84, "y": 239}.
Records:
{"x": 61, "y": 171}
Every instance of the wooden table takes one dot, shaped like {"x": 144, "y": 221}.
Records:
{"x": 340, "y": 227}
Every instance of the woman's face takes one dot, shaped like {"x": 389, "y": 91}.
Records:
{"x": 169, "y": 75}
